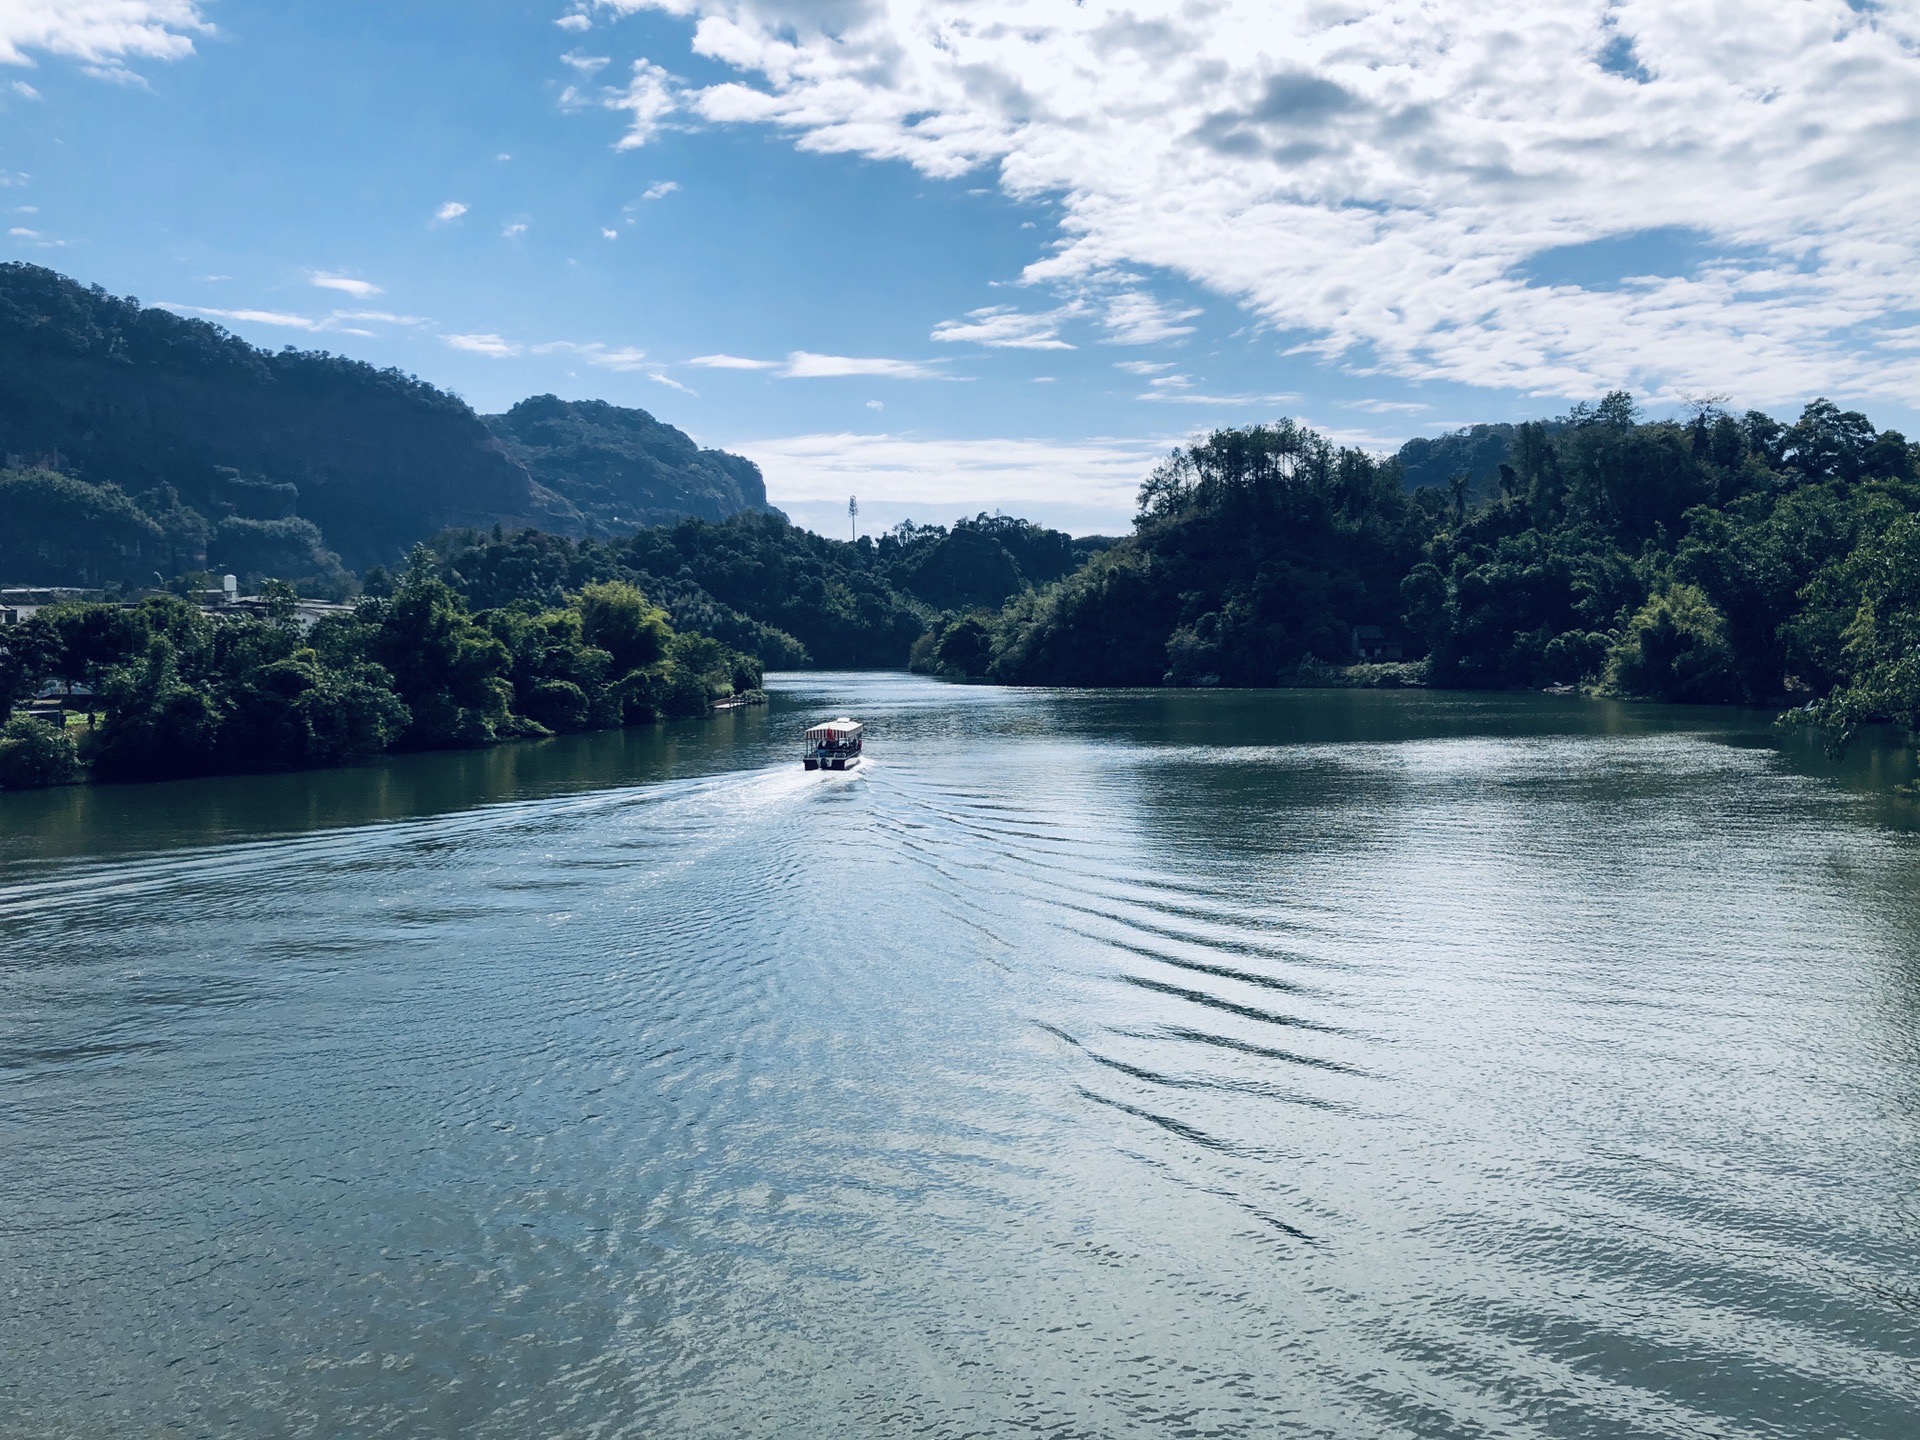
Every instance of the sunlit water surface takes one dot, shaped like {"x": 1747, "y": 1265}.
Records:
{"x": 1356, "y": 1065}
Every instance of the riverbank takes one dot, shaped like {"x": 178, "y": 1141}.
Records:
{"x": 181, "y": 691}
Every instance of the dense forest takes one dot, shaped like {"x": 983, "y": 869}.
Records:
{"x": 185, "y": 692}
{"x": 620, "y": 468}
{"x": 1717, "y": 558}
{"x": 783, "y": 594}
{"x": 139, "y": 444}
{"x": 490, "y": 636}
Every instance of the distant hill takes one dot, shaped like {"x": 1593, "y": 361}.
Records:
{"x": 1475, "y": 451}
{"x": 773, "y": 590}
{"x": 621, "y": 469}
{"x": 977, "y": 564}
{"x": 207, "y": 453}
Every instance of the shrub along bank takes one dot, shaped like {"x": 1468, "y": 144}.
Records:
{"x": 183, "y": 692}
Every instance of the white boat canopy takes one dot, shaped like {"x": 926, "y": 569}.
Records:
{"x": 834, "y": 732}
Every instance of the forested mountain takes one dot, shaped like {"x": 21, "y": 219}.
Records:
{"x": 1720, "y": 558}
{"x": 1253, "y": 551}
{"x": 139, "y": 443}
{"x": 771, "y": 589}
{"x": 1471, "y": 456}
{"x": 621, "y": 469}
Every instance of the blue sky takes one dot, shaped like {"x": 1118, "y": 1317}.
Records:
{"x": 958, "y": 256}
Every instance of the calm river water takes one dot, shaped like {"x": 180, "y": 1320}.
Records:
{"x": 1238, "y": 1064}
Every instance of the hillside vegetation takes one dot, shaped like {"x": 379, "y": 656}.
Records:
{"x": 184, "y": 692}
{"x": 621, "y": 469}
{"x": 767, "y": 587}
{"x": 142, "y": 444}
{"x": 491, "y": 636}
{"x": 1721, "y": 558}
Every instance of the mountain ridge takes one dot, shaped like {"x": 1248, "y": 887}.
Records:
{"x": 229, "y": 455}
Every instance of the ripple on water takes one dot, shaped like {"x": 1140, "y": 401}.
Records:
{"x": 1073, "y": 1070}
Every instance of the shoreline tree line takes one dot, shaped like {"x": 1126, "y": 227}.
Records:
{"x": 1717, "y": 558}
{"x": 182, "y": 692}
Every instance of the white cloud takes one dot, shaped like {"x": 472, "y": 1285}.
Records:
{"x": 101, "y": 34}
{"x": 1143, "y": 367}
{"x": 805, "y": 365}
{"x": 876, "y": 405}
{"x": 278, "y": 319}
{"x": 1231, "y": 402}
{"x": 1006, "y": 328}
{"x": 359, "y": 289}
{"x": 585, "y": 64}
{"x": 1385, "y": 407}
{"x": 513, "y": 231}
{"x": 1370, "y": 181}
{"x": 575, "y": 22}
{"x": 492, "y": 346}
{"x": 607, "y": 233}
{"x": 24, "y": 90}
{"x": 379, "y": 317}
{"x": 1178, "y": 390}
{"x": 648, "y": 99}
{"x": 450, "y": 211}
{"x": 117, "y": 75}
{"x": 37, "y": 239}
{"x": 344, "y": 321}
{"x": 671, "y": 383}
{"x": 608, "y": 357}
{"x": 1137, "y": 318}
{"x": 660, "y": 189}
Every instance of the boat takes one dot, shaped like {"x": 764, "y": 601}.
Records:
{"x": 833, "y": 745}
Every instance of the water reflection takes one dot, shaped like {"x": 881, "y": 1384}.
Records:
{"x": 82, "y": 820}
{"x": 1332, "y": 1064}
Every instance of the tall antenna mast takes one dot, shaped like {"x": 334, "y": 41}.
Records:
{"x": 853, "y": 516}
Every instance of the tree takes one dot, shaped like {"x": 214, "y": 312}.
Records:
{"x": 29, "y": 654}
{"x": 1882, "y": 639}
{"x": 449, "y": 671}
{"x": 299, "y": 711}
{"x": 618, "y": 619}
{"x": 35, "y": 754}
{"x": 92, "y": 639}
{"x": 1828, "y": 443}
{"x": 282, "y": 602}
{"x": 157, "y": 726}
{"x": 1674, "y": 648}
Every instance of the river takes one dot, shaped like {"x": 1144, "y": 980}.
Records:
{"x": 1107, "y": 1065}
